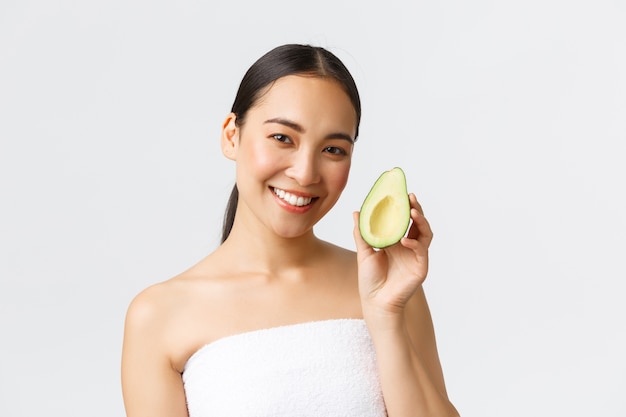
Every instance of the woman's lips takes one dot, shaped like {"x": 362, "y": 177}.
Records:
{"x": 293, "y": 199}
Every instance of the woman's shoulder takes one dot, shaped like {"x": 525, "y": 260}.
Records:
{"x": 335, "y": 249}
{"x": 164, "y": 298}
{"x": 175, "y": 316}
{"x": 153, "y": 303}
{"x": 340, "y": 254}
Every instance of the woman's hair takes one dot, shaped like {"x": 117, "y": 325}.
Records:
{"x": 290, "y": 59}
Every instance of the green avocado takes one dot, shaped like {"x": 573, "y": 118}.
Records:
{"x": 386, "y": 211}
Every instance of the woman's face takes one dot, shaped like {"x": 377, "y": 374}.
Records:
{"x": 293, "y": 154}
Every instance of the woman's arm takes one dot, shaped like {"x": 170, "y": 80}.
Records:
{"x": 422, "y": 335}
{"x": 410, "y": 372}
{"x": 399, "y": 321}
{"x": 150, "y": 384}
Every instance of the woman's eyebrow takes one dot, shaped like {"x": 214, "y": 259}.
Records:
{"x": 298, "y": 128}
{"x": 339, "y": 135}
{"x": 285, "y": 122}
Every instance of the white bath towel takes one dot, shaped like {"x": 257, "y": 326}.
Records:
{"x": 321, "y": 368}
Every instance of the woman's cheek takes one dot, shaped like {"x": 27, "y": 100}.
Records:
{"x": 341, "y": 175}
{"x": 263, "y": 159}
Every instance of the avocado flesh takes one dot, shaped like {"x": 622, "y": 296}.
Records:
{"x": 386, "y": 211}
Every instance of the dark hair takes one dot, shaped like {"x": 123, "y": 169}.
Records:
{"x": 286, "y": 60}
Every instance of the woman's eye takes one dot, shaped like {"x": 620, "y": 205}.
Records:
{"x": 335, "y": 150}
{"x": 282, "y": 138}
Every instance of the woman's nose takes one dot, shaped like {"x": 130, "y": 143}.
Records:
{"x": 304, "y": 168}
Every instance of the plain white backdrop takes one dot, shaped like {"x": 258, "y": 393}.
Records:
{"x": 508, "y": 117}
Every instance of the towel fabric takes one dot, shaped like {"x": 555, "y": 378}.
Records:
{"x": 319, "y": 368}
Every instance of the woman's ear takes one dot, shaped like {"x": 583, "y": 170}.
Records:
{"x": 230, "y": 137}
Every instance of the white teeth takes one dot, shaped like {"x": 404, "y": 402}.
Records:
{"x": 294, "y": 200}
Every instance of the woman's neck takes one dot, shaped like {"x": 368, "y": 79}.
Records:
{"x": 268, "y": 252}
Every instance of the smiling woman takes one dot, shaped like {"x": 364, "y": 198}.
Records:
{"x": 296, "y": 142}
{"x": 275, "y": 321}
{"x": 284, "y": 61}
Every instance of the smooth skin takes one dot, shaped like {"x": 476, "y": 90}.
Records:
{"x": 298, "y": 138}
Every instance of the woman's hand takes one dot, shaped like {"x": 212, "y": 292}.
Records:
{"x": 388, "y": 277}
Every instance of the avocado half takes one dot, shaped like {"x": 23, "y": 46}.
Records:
{"x": 386, "y": 211}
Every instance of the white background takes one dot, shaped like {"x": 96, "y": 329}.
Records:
{"x": 508, "y": 117}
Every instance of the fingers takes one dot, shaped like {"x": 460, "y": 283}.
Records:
{"x": 420, "y": 251}
{"x": 420, "y": 229}
{"x": 415, "y": 204}
{"x": 361, "y": 245}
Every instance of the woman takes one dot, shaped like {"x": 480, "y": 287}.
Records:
{"x": 276, "y": 322}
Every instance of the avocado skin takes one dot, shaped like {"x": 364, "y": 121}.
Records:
{"x": 386, "y": 211}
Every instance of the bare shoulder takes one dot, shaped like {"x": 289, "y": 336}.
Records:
{"x": 149, "y": 320}
{"x": 164, "y": 306}
{"x": 163, "y": 302}
{"x": 150, "y": 306}
{"x": 340, "y": 254}
{"x": 171, "y": 319}
{"x": 145, "y": 304}
{"x": 151, "y": 383}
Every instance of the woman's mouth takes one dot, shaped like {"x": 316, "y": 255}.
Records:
{"x": 292, "y": 199}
